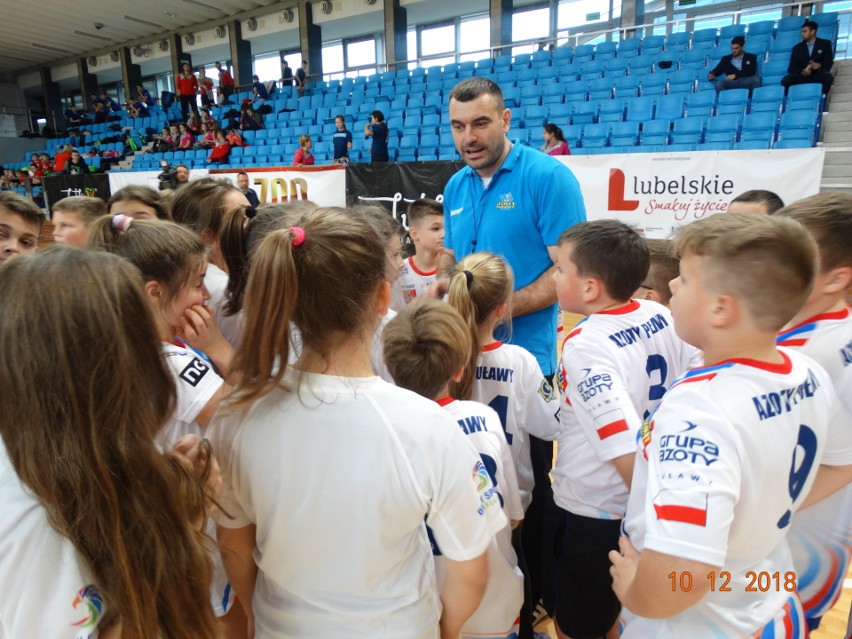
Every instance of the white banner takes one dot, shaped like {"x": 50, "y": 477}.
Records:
{"x": 659, "y": 192}
{"x": 324, "y": 185}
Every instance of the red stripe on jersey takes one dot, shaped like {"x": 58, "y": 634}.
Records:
{"x": 697, "y": 378}
{"x": 836, "y": 315}
{"x": 788, "y": 622}
{"x": 794, "y": 342}
{"x": 576, "y": 331}
{"x": 631, "y": 306}
{"x": 444, "y": 401}
{"x": 612, "y": 429}
{"x": 684, "y": 514}
{"x": 418, "y": 271}
{"x": 493, "y": 346}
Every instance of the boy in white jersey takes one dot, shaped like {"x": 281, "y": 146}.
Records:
{"x": 663, "y": 269}
{"x": 426, "y": 230}
{"x": 616, "y": 365}
{"x": 820, "y": 536}
{"x": 426, "y": 347}
{"x": 734, "y": 447}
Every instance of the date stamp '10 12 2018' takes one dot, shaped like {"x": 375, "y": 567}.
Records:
{"x": 720, "y": 581}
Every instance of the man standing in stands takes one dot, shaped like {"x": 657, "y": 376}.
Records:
{"x": 737, "y": 70}
{"x": 187, "y": 88}
{"x": 286, "y": 74}
{"x": 302, "y": 77}
{"x": 810, "y": 60}
{"x": 514, "y": 201}
{"x": 226, "y": 83}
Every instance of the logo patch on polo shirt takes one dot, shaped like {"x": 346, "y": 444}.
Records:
{"x": 506, "y": 201}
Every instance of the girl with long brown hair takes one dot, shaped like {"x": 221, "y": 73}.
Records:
{"x": 96, "y": 537}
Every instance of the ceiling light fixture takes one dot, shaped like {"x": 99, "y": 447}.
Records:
{"x": 44, "y": 46}
{"x": 201, "y": 4}
{"x": 92, "y": 35}
{"x": 141, "y": 21}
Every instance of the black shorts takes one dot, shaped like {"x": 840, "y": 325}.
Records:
{"x": 586, "y": 606}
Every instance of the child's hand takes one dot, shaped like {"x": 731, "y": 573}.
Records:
{"x": 623, "y": 569}
{"x": 196, "y": 456}
{"x": 199, "y": 329}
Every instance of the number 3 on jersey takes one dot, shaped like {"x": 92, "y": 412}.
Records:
{"x": 500, "y": 404}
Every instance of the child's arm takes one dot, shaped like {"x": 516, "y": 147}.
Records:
{"x": 462, "y": 592}
{"x": 643, "y": 581}
{"x": 201, "y": 332}
{"x": 237, "y": 547}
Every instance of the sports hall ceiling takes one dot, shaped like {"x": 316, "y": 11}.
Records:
{"x": 48, "y": 30}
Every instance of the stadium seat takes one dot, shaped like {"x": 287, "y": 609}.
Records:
{"x": 792, "y": 143}
{"x": 731, "y": 31}
{"x": 689, "y": 130}
{"x": 627, "y": 86}
{"x": 629, "y": 48}
{"x": 732, "y": 101}
{"x": 655, "y": 132}
{"x": 624, "y": 134}
{"x": 654, "y": 84}
{"x": 767, "y": 98}
{"x": 756, "y": 126}
{"x": 753, "y": 145}
{"x": 640, "y": 109}
{"x": 584, "y": 53}
{"x": 600, "y": 89}
{"x": 669, "y": 107}
{"x": 704, "y": 38}
{"x": 653, "y": 44}
{"x": 605, "y": 50}
{"x": 682, "y": 81}
{"x": 595, "y": 135}
{"x": 563, "y": 52}
{"x": 612, "y": 110}
{"x": 723, "y": 128}
{"x": 763, "y": 27}
{"x": 584, "y": 113}
{"x": 790, "y": 24}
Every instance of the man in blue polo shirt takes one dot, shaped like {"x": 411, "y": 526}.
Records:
{"x": 514, "y": 201}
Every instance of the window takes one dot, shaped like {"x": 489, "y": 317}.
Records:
{"x": 332, "y": 58}
{"x": 573, "y": 13}
{"x": 361, "y": 53}
{"x": 436, "y": 40}
{"x": 266, "y": 67}
{"x": 771, "y": 12}
{"x": 475, "y": 37}
{"x": 413, "y": 54}
{"x": 531, "y": 25}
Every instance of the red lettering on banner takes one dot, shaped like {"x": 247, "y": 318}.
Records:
{"x": 617, "y": 201}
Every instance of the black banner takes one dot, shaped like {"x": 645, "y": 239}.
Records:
{"x": 394, "y": 186}
{"x": 58, "y": 187}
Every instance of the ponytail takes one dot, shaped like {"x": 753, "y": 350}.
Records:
{"x": 459, "y": 298}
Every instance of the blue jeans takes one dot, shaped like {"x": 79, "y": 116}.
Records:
{"x": 749, "y": 83}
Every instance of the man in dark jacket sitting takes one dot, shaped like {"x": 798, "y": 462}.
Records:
{"x": 810, "y": 60}
{"x": 737, "y": 70}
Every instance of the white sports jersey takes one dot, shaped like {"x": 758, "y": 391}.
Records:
{"x": 721, "y": 465}
{"x": 411, "y": 284}
{"x": 509, "y": 380}
{"x": 338, "y": 476}
{"x": 615, "y": 367}
{"x": 377, "y": 355}
{"x": 196, "y": 383}
{"x": 216, "y": 281}
{"x": 497, "y": 615}
{"x": 820, "y": 537}
{"x": 48, "y": 589}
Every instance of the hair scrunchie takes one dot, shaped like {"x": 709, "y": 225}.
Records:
{"x": 469, "y": 277}
{"x": 121, "y": 222}
{"x": 298, "y": 235}
{"x": 250, "y": 212}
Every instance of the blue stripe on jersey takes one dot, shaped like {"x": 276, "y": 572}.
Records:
{"x": 226, "y": 597}
{"x": 805, "y": 328}
{"x": 706, "y": 369}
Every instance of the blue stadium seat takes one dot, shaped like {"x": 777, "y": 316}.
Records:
{"x": 605, "y": 50}
{"x": 669, "y": 107}
{"x": 653, "y": 44}
{"x": 654, "y": 84}
{"x": 783, "y": 44}
{"x": 641, "y": 64}
{"x": 486, "y": 65}
{"x": 627, "y": 86}
{"x": 680, "y": 38}
{"x": 792, "y": 143}
{"x": 535, "y": 117}
{"x": 731, "y": 31}
{"x": 560, "y": 112}
{"x": 689, "y": 130}
{"x": 763, "y": 27}
{"x": 803, "y": 92}
{"x": 624, "y": 134}
{"x": 704, "y": 37}
{"x": 715, "y": 146}
{"x": 612, "y": 110}
{"x": 595, "y": 135}
{"x": 732, "y": 101}
{"x": 753, "y": 145}
{"x": 694, "y": 59}
{"x": 640, "y": 109}
{"x": 655, "y": 132}
{"x": 629, "y": 47}
{"x": 584, "y": 113}
{"x": 790, "y": 24}
{"x": 682, "y": 81}
{"x": 798, "y": 124}
{"x": 600, "y": 89}
{"x": 767, "y": 98}
{"x": 544, "y": 74}
{"x": 723, "y": 128}
{"x": 756, "y": 126}
{"x": 584, "y": 52}
{"x": 563, "y": 52}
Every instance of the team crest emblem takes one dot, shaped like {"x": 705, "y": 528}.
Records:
{"x": 89, "y": 600}
{"x": 506, "y": 201}
{"x": 645, "y": 435}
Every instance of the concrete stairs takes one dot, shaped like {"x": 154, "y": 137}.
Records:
{"x": 837, "y": 132}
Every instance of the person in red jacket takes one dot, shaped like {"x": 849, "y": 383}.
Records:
{"x": 221, "y": 150}
{"x": 303, "y": 155}
{"x": 187, "y": 88}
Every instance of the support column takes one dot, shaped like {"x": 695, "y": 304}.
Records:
{"x": 177, "y": 54}
{"x": 632, "y": 15}
{"x": 501, "y": 25}
{"x": 241, "y": 61}
{"x": 52, "y": 102}
{"x": 88, "y": 82}
{"x": 310, "y": 40}
{"x": 396, "y": 34}
{"x": 131, "y": 74}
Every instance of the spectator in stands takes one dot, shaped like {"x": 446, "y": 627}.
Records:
{"x": 342, "y": 140}
{"x": 301, "y": 79}
{"x": 221, "y": 150}
{"x": 186, "y": 140}
{"x": 137, "y": 109}
{"x": 258, "y": 88}
{"x": 207, "y": 139}
{"x": 756, "y": 201}
{"x": 250, "y": 120}
{"x": 303, "y": 155}
{"x": 75, "y": 117}
{"x": 101, "y": 113}
{"x": 554, "y": 141}
{"x": 737, "y": 70}
{"x": 205, "y": 88}
{"x": 194, "y": 123}
{"x": 205, "y": 117}
{"x": 286, "y": 74}
{"x": 76, "y": 165}
{"x": 378, "y": 130}
{"x": 62, "y": 157}
{"x": 138, "y": 202}
{"x": 110, "y": 105}
{"x": 187, "y": 88}
{"x": 181, "y": 175}
{"x": 226, "y": 83}
{"x": 245, "y": 189}
{"x": 810, "y": 60}
{"x": 144, "y": 96}
{"x": 94, "y": 100}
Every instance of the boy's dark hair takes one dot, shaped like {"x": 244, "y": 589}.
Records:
{"x": 22, "y": 207}
{"x": 378, "y": 115}
{"x": 664, "y": 268}
{"x": 610, "y": 251}
{"x": 770, "y": 199}
{"x": 828, "y": 218}
{"x": 810, "y": 24}
{"x": 471, "y": 88}
{"x": 419, "y": 209}
{"x": 740, "y": 40}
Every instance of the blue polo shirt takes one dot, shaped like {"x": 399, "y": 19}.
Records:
{"x": 341, "y": 139}
{"x": 531, "y": 199}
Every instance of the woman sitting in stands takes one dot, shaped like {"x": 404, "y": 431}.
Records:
{"x": 207, "y": 139}
{"x": 221, "y": 150}
{"x": 250, "y": 120}
{"x": 303, "y": 155}
{"x": 187, "y": 140}
{"x": 554, "y": 141}
{"x": 193, "y": 123}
